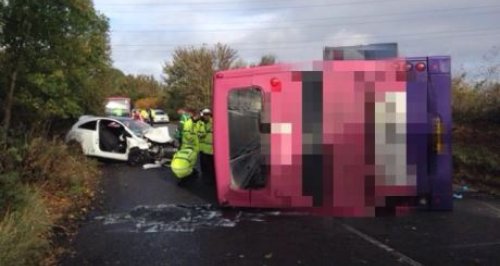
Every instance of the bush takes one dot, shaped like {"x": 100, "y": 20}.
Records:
{"x": 479, "y": 160}
{"x": 24, "y": 231}
{"x": 11, "y": 154}
{"x": 476, "y": 153}
{"x": 476, "y": 114}
{"x": 477, "y": 102}
{"x": 57, "y": 166}
{"x": 10, "y": 197}
{"x": 65, "y": 179}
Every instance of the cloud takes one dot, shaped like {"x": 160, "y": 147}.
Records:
{"x": 145, "y": 32}
{"x": 345, "y": 37}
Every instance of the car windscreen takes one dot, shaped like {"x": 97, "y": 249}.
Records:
{"x": 136, "y": 126}
{"x": 158, "y": 112}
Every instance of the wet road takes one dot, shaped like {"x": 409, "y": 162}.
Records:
{"x": 147, "y": 220}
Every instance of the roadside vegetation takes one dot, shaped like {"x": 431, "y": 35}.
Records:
{"x": 45, "y": 187}
{"x": 53, "y": 57}
{"x": 476, "y": 132}
{"x": 55, "y": 66}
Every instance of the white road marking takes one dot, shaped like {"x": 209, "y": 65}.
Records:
{"x": 497, "y": 210}
{"x": 400, "y": 256}
{"x": 485, "y": 244}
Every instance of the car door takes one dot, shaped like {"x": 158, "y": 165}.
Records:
{"x": 103, "y": 153}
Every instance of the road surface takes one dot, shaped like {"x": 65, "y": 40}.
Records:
{"x": 146, "y": 219}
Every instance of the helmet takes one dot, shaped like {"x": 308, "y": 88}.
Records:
{"x": 206, "y": 111}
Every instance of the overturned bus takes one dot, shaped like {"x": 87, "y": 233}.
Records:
{"x": 341, "y": 138}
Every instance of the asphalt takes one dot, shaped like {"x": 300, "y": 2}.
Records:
{"x": 146, "y": 219}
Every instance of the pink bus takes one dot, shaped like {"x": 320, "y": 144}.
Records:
{"x": 343, "y": 138}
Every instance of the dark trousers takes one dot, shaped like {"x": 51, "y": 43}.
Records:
{"x": 207, "y": 168}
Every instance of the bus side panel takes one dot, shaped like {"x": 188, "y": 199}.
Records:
{"x": 344, "y": 135}
{"x": 282, "y": 108}
{"x": 365, "y": 137}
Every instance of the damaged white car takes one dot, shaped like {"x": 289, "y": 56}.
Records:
{"x": 120, "y": 138}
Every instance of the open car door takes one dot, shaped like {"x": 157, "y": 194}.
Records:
{"x": 110, "y": 140}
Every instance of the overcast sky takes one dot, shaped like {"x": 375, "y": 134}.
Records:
{"x": 145, "y": 32}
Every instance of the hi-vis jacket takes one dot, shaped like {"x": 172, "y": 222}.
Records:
{"x": 206, "y": 137}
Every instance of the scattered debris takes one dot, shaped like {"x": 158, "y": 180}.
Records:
{"x": 458, "y": 194}
{"x": 157, "y": 164}
{"x": 181, "y": 218}
{"x": 151, "y": 166}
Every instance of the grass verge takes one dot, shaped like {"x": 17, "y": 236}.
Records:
{"x": 44, "y": 192}
{"x": 25, "y": 232}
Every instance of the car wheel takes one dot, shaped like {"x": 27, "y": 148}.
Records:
{"x": 75, "y": 147}
{"x": 136, "y": 157}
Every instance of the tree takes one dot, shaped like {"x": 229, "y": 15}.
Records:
{"x": 55, "y": 55}
{"x": 488, "y": 72}
{"x": 268, "y": 59}
{"x": 189, "y": 76}
{"x": 148, "y": 102}
{"x": 142, "y": 86}
{"x": 223, "y": 57}
{"x": 240, "y": 63}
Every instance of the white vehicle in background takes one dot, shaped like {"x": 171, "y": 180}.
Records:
{"x": 159, "y": 116}
{"x": 120, "y": 138}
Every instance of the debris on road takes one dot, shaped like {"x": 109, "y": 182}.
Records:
{"x": 458, "y": 194}
{"x": 157, "y": 164}
{"x": 181, "y": 218}
{"x": 151, "y": 166}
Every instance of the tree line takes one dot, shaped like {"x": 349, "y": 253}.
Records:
{"x": 55, "y": 64}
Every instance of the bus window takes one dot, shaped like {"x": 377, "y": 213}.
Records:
{"x": 245, "y": 139}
